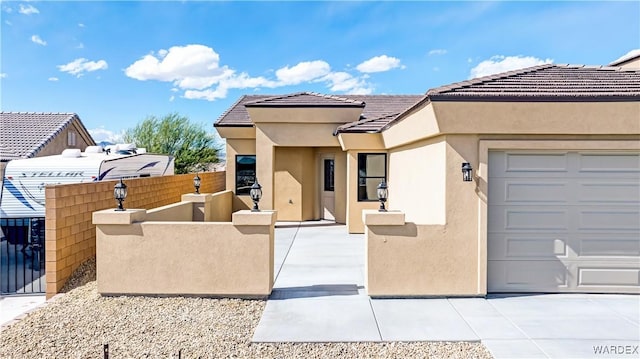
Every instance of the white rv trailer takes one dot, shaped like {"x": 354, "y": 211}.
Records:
{"x": 25, "y": 179}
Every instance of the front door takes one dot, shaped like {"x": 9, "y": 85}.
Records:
{"x": 327, "y": 189}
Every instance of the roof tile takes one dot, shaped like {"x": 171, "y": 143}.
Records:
{"x": 547, "y": 82}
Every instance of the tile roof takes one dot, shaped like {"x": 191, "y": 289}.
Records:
{"x": 547, "y": 83}
{"x": 24, "y": 134}
{"x": 375, "y": 106}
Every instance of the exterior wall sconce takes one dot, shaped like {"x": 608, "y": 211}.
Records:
{"x": 196, "y": 183}
{"x": 120, "y": 193}
{"x": 383, "y": 194}
{"x": 256, "y": 194}
{"x": 467, "y": 172}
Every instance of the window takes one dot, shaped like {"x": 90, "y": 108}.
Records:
{"x": 328, "y": 176}
{"x": 71, "y": 138}
{"x": 245, "y": 173}
{"x": 372, "y": 169}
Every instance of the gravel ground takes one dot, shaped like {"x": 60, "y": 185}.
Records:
{"x": 77, "y": 324}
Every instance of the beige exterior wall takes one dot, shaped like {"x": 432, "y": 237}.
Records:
{"x": 70, "y": 234}
{"x": 417, "y": 180}
{"x": 186, "y": 258}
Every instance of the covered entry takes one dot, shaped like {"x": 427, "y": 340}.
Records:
{"x": 564, "y": 221}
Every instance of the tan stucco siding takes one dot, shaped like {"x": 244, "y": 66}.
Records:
{"x": 238, "y": 147}
{"x": 299, "y": 135}
{"x": 588, "y": 118}
{"x": 417, "y": 181}
{"x": 419, "y": 124}
{"x": 361, "y": 141}
{"x": 304, "y": 114}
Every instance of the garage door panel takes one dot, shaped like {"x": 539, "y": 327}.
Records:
{"x": 609, "y": 192}
{"x": 519, "y": 191}
{"x": 608, "y": 277}
{"x": 522, "y": 218}
{"x": 607, "y": 163}
{"x": 516, "y": 276}
{"x": 523, "y": 164}
{"x": 609, "y": 220}
{"x": 609, "y": 246}
{"x": 526, "y": 246}
{"x": 573, "y": 226}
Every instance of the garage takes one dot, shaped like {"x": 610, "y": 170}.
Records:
{"x": 563, "y": 221}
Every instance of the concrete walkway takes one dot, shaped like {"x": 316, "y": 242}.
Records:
{"x": 319, "y": 296}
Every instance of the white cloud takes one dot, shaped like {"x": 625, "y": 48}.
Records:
{"x": 379, "y": 64}
{"x": 53, "y": 79}
{"x": 303, "y": 72}
{"x": 38, "y": 40}
{"x": 628, "y": 55}
{"x": 177, "y": 64}
{"x": 345, "y": 82}
{"x": 8, "y": 22}
{"x": 79, "y": 66}
{"x": 102, "y": 134}
{"x": 28, "y": 9}
{"x": 437, "y": 52}
{"x": 7, "y": 9}
{"x": 196, "y": 72}
{"x": 80, "y": 46}
{"x": 3, "y": 75}
{"x": 499, "y": 63}
{"x": 80, "y": 25}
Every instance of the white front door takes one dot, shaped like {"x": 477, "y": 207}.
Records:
{"x": 327, "y": 180}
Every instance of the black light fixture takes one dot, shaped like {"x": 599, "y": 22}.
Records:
{"x": 383, "y": 194}
{"x": 467, "y": 172}
{"x": 256, "y": 194}
{"x": 196, "y": 183}
{"x": 120, "y": 193}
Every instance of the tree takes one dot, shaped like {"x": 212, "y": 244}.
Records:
{"x": 189, "y": 143}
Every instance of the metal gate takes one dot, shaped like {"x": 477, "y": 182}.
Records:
{"x": 22, "y": 256}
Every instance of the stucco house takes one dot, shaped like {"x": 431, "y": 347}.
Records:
{"x": 554, "y": 201}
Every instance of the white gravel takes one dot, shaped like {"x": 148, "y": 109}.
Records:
{"x": 77, "y": 324}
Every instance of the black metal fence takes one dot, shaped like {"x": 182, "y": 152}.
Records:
{"x": 22, "y": 256}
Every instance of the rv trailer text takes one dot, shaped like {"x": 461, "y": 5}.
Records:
{"x": 52, "y": 174}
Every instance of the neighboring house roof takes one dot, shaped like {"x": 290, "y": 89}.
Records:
{"x": 24, "y": 134}
{"x": 547, "y": 83}
{"x": 625, "y": 59}
{"x": 375, "y": 106}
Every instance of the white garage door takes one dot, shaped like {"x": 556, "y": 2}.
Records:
{"x": 564, "y": 222}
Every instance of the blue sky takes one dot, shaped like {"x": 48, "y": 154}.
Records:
{"x": 114, "y": 63}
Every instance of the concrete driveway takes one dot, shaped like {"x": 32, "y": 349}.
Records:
{"x": 319, "y": 296}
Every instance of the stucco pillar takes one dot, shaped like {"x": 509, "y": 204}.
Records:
{"x": 265, "y": 159}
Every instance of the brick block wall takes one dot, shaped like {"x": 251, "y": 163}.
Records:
{"x": 70, "y": 234}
